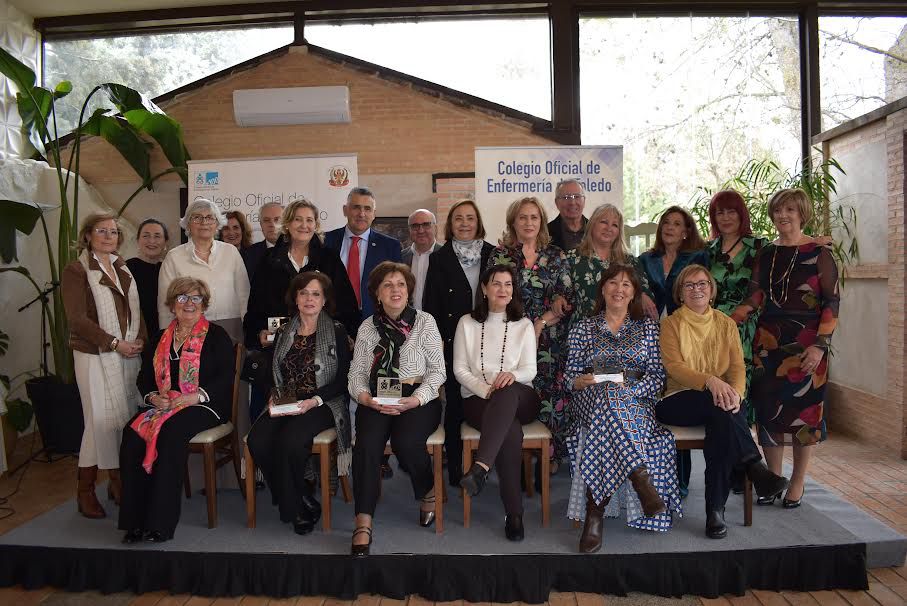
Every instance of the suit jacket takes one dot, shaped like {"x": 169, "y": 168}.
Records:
{"x": 273, "y": 277}
{"x": 380, "y": 248}
{"x": 407, "y": 254}
{"x": 253, "y": 255}
{"x": 448, "y": 295}
{"x": 554, "y": 230}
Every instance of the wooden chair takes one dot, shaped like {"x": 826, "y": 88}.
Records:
{"x": 325, "y": 447}
{"x": 646, "y": 231}
{"x": 535, "y": 437}
{"x": 693, "y": 438}
{"x": 220, "y": 440}
{"x": 435, "y": 446}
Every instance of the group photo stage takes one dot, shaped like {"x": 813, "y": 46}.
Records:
{"x": 827, "y": 543}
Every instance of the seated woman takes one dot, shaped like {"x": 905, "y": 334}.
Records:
{"x": 188, "y": 383}
{"x": 706, "y": 382}
{"x": 616, "y": 436}
{"x": 498, "y": 397}
{"x": 311, "y": 362}
{"x": 404, "y": 344}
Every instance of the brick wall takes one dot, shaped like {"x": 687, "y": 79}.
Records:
{"x": 449, "y": 191}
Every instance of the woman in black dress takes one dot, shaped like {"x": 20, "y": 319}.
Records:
{"x": 146, "y": 266}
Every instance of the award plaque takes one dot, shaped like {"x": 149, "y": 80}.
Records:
{"x": 390, "y": 390}
{"x": 604, "y": 372}
{"x": 283, "y": 402}
{"x": 274, "y": 324}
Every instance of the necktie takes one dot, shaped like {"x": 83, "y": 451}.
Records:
{"x": 352, "y": 268}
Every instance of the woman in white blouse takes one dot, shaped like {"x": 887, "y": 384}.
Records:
{"x": 495, "y": 363}
{"x": 216, "y": 263}
{"x": 397, "y": 345}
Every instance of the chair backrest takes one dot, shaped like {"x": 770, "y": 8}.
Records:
{"x": 238, "y": 351}
{"x": 645, "y": 231}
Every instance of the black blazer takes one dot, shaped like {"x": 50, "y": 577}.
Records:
{"x": 447, "y": 293}
{"x": 252, "y": 257}
{"x": 215, "y": 370}
{"x": 557, "y": 237}
{"x": 267, "y": 297}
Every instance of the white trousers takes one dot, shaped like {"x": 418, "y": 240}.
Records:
{"x": 100, "y": 443}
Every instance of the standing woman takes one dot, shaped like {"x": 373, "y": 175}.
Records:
{"x": 602, "y": 244}
{"x": 497, "y": 391}
{"x": 146, "y": 268}
{"x": 311, "y": 361}
{"x": 237, "y": 230}
{"x": 795, "y": 284}
{"x": 106, "y": 334}
{"x": 216, "y": 263}
{"x": 403, "y": 343}
{"x": 544, "y": 283}
{"x": 451, "y": 289}
{"x": 732, "y": 255}
{"x": 616, "y": 437}
{"x": 677, "y": 244}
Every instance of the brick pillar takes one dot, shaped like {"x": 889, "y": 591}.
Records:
{"x": 896, "y": 139}
{"x": 450, "y": 189}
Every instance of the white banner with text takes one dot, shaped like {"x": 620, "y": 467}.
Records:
{"x": 245, "y": 184}
{"x": 505, "y": 174}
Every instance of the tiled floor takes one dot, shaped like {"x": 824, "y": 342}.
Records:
{"x": 874, "y": 480}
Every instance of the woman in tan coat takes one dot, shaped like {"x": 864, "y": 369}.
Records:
{"x": 107, "y": 335}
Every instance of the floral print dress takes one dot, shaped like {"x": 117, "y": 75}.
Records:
{"x": 539, "y": 285}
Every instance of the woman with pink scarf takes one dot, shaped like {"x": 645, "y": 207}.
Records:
{"x": 187, "y": 385}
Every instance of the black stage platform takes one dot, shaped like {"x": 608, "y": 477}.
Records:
{"x": 825, "y": 544}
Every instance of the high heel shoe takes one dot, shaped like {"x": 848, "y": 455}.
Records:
{"x": 768, "y": 500}
{"x": 792, "y": 504}
{"x": 361, "y": 550}
{"x": 427, "y": 518}
{"x": 474, "y": 480}
{"x": 133, "y": 536}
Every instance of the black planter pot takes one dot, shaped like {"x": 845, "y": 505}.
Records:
{"x": 58, "y": 411}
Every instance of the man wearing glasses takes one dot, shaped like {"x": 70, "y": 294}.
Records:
{"x": 423, "y": 229}
{"x": 567, "y": 228}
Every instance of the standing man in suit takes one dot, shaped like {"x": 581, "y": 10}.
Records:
{"x": 423, "y": 231}
{"x": 359, "y": 243}
{"x": 269, "y": 220}
{"x": 568, "y": 227}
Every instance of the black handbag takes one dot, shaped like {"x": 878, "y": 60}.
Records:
{"x": 256, "y": 368}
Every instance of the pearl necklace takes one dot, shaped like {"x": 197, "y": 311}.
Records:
{"x": 482, "y": 350}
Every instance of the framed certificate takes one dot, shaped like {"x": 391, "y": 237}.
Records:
{"x": 389, "y": 391}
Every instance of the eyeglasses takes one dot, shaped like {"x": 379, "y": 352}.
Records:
{"x": 701, "y": 285}
{"x": 197, "y": 299}
{"x": 418, "y": 226}
{"x": 202, "y": 219}
{"x": 571, "y": 197}
{"x": 103, "y": 231}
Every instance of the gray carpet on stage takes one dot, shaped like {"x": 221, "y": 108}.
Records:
{"x": 824, "y": 519}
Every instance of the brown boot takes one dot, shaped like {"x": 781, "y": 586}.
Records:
{"x": 591, "y": 540}
{"x": 86, "y": 498}
{"x": 114, "y": 486}
{"x": 652, "y": 505}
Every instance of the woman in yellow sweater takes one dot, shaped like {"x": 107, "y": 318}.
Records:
{"x": 701, "y": 351}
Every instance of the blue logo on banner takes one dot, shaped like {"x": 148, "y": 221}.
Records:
{"x": 207, "y": 178}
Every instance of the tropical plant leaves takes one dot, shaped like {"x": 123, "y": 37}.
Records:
{"x": 15, "y": 217}
{"x": 166, "y": 131}
{"x": 117, "y": 131}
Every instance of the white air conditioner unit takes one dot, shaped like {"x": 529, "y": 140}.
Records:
{"x": 279, "y": 106}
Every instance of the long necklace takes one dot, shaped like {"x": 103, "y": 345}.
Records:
{"x": 482, "y": 351}
{"x": 784, "y": 280}
{"x": 725, "y": 256}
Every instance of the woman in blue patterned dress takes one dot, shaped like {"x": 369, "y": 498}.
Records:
{"x": 616, "y": 437}
{"x": 544, "y": 284}
{"x": 602, "y": 244}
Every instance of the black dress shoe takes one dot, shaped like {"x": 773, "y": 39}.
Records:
{"x": 792, "y": 504}
{"x": 474, "y": 480}
{"x": 513, "y": 527}
{"x": 715, "y": 528}
{"x": 387, "y": 472}
{"x": 310, "y": 505}
{"x": 361, "y": 550}
{"x": 154, "y": 536}
{"x": 765, "y": 482}
{"x": 769, "y": 500}
{"x": 133, "y": 536}
{"x": 303, "y": 525}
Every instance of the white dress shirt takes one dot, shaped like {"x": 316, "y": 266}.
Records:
{"x": 420, "y": 268}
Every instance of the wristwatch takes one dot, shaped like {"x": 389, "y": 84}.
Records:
{"x": 114, "y": 343}
{"x": 544, "y": 322}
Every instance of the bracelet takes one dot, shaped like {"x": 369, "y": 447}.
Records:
{"x": 114, "y": 344}
{"x": 318, "y": 400}
{"x": 544, "y": 322}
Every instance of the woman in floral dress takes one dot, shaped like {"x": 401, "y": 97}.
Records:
{"x": 602, "y": 244}
{"x": 544, "y": 284}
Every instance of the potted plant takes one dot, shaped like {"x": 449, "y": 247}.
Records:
{"x": 131, "y": 126}
{"x": 17, "y": 413}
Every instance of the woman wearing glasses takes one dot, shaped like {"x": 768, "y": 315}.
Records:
{"x": 187, "y": 385}
{"x": 700, "y": 349}
{"x": 216, "y": 263}
{"x": 106, "y": 334}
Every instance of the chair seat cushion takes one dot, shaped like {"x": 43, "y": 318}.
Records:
{"x": 437, "y": 437}
{"x": 326, "y": 437}
{"x": 213, "y": 434}
{"x": 531, "y": 431}
{"x": 696, "y": 432}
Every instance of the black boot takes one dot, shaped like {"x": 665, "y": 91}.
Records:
{"x": 474, "y": 480}
{"x": 591, "y": 539}
{"x": 765, "y": 482}
{"x": 715, "y": 528}
{"x": 513, "y": 527}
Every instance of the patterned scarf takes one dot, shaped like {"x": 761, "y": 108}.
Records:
{"x": 148, "y": 425}
{"x": 392, "y": 333}
{"x": 469, "y": 252}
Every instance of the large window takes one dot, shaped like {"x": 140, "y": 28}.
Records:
{"x": 691, "y": 99}
{"x": 862, "y": 65}
{"x": 153, "y": 64}
{"x": 507, "y": 61}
